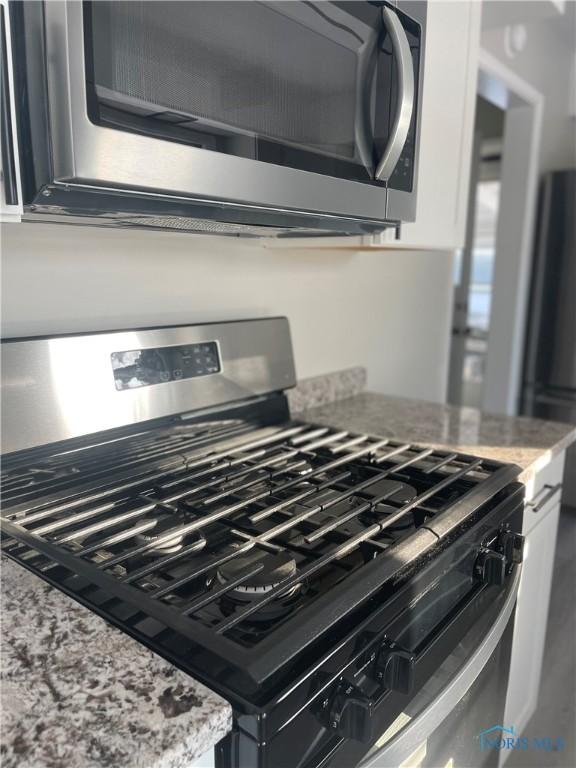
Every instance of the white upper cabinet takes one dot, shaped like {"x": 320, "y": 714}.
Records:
{"x": 498, "y": 15}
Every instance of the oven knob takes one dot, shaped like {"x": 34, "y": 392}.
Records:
{"x": 490, "y": 567}
{"x": 394, "y": 666}
{"x": 513, "y": 547}
{"x": 350, "y": 715}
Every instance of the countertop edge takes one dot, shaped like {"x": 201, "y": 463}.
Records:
{"x": 78, "y": 692}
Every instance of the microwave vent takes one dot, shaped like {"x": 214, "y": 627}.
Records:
{"x": 208, "y": 226}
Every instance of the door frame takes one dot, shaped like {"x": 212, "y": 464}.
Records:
{"x": 462, "y": 288}
{"x": 524, "y": 106}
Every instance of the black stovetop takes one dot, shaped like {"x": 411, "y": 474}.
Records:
{"x": 229, "y": 544}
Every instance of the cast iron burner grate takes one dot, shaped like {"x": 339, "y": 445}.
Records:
{"x": 221, "y": 539}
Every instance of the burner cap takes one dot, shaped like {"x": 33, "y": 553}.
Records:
{"x": 165, "y": 523}
{"x": 276, "y": 568}
{"x": 395, "y": 491}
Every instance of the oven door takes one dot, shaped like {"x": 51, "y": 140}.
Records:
{"x": 443, "y": 725}
{"x": 290, "y": 105}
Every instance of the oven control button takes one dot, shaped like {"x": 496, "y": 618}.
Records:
{"x": 394, "y": 667}
{"x": 512, "y": 545}
{"x": 350, "y": 713}
{"x": 490, "y": 567}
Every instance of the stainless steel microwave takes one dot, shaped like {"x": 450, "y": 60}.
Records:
{"x": 256, "y": 118}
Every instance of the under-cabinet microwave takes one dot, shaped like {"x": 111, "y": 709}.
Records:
{"x": 256, "y": 118}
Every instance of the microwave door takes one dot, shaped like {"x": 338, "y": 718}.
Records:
{"x": 290, "y": 78}
{"x": 329, "y": 22}
{"x": 360, "y": 40}
{"x": 108, "y": 156}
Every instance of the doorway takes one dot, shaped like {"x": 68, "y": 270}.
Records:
{"x": 491, "y": 274}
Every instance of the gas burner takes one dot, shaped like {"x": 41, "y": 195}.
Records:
{"x": 165, "y": 523}
{"x": 275, "y": 569}
{"x": 397, "y": 492}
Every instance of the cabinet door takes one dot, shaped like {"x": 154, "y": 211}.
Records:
{"x": 447, "y": 128}
{"x": 531, "y": 620}
{"x": 10, "y": 191}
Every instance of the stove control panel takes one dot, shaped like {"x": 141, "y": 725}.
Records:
{"x": 496, "y": 559}
{"x": 349, "y": 713}
{"x": 490, "y": 567}
{"x": 394, "y": 667}
{"x": 158, "y": 365}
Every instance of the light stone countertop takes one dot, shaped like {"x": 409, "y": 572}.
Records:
{"x": 528, "y": 443}
{"x": 79, "y": 693}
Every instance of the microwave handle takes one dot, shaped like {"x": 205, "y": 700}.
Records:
{"x": 399, "y": 133}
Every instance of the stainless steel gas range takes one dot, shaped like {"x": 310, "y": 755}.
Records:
{"x": 351, "y": 596}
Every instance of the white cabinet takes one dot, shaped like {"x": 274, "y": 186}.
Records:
{"x": 447, "y": 128}
{"x": 500, "y": 15}
{"x": 540, "y": 529}
{"x": 10, "y": 189}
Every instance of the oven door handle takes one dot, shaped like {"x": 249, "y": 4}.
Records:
{"x": 399, "y": 132}
{"x": 422, "y": 727}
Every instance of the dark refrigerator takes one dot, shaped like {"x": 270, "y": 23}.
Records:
{"x": 549, "y": 377}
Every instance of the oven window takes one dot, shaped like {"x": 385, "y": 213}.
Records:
{"x": 299, "y": 84}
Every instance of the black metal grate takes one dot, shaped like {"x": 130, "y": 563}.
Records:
{"x": 186, "y": 533}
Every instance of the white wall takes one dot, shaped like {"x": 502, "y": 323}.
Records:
{"x": 389, "y": 311}
{"x": 545, "y": 63}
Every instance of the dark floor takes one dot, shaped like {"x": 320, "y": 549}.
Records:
{"x": 556, "y": 713}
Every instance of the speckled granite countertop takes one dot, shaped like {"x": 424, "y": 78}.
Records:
{"x": 78, "y": 693}
{"x": 529, "y": 443}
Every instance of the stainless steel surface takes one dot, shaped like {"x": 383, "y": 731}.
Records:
{"x": 546, "y": 493}
{"x": 101, "y": 156}
{"x": 550, "y": 404}
{"x": 59, "y": 388}
{"x": 365, "y": 73}
{"x": 537, "y": 296}
{"x": 406, "y": 94}
{"x": 9, "y": 171}
{"x": 111, "y": 208}
{"x": 550, "y": 355}
{"x": 422, "y": 727}
{"x": 562, "y": 323}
